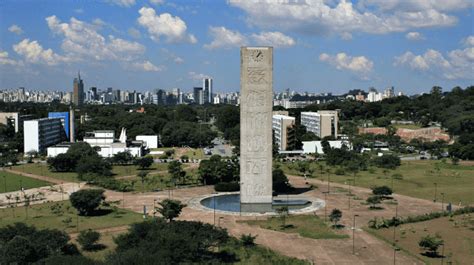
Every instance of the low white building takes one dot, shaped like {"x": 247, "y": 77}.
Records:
{"x": 315, "y": 147}
{"x": 106, "y": 144}
{"x": 151, "y": 141}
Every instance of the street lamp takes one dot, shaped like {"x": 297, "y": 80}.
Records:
{"x": 442, "y": 201}
{"x": 436, "y": 187}
{"x": 214, "y": 206}
{"x": 353, "y": 233}
{"x": 328, "y": 181}
{"x": 325, "y": 205}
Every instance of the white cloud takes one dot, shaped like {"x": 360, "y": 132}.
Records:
{"x": 170, "y": 56}
{"x": 134, "y": 33}
{"x": 197, "y": 76}
{"x": 5, "y": 60}
{"x": 323, "y": 17}
{"x": 15, "y": 29}
{"x": 79, "y": 10}
{"x": 157, "y": 2}
{"x": 174, "y": 29}
{"x": 147, "y": 66}
{"x": 417, "y": 5}
{"x": 123, "y": 3}
{"x": 456, "y": 64}
{"x": 414, "y": 36}
{"x": 469, "y": 41}
{"x": 178, "y": 60}
{"x": 346, "y": 36}
{"x": 225, "y": 38}
{"x": 33, "y": 52}
{"x": 359, "y": 65}
{"x": 275, "y": 39}
{"x": 81, "y": 41}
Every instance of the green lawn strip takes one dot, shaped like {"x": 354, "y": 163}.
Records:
{"x": 161, "y": 181}
{"x": 455, "y": 181}
{"x": 304, "y": 225}
{"x": 43, "y": 170}
{"x": 42, "y": 216}
{"x": 13, "y": 182}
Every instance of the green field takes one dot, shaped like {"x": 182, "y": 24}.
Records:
{"x": 43, "y": 170}
{"x": 304, "y": 225}
{"x": 457, "y": 233}
{"x": 418, "y": 178}
{"x": 42, "y": 216}
{"x": 13, "y": 182}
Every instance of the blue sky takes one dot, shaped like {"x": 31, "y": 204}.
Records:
{"x": 320, "y": 45}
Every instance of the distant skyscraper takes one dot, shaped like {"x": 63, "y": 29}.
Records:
{"x": 198, "y": 95}
{"x": 207, "y": 90}
{"x": 78, "y": 97}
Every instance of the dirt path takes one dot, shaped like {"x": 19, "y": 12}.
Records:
{"x": 34, "y": 176}
{"x": 115, "y": 229}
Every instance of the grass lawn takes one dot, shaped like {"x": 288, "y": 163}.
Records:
{"x": 42, "y": 216}
{"x": 192, "y": 153}
{"x": 418, "y": 178}
{"x": 304, "y": 225}
{"x": 12, "y": 182}
{"x": 244, "y": 255}
{"x": 120, "y": 171}
{"x": 457, "y": 233}
{"x": 43, "y": 170}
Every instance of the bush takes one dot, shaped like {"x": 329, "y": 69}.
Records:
{"x": 86, "y": 201}
{"x": 382, "y": 191}
{"x": 339, "y": 171}
{"x": 248, "y": 240}
{"x": 227, "y": 186}
{"x": 113, "y": 184}
{"x": 387, "y": 161}
{"x": 170, "y": 209}
{"x": 431, "y": 244}
{"x": 88, "y": 239}
{"x": 280, "y": 181}
{"x": 144, "y": 162}
{"x": 373, "y": 201}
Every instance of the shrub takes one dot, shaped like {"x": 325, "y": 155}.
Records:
{"x": 170, "y": 209}
{"x": 339, "y": 172}
{"x": 144, "y": 162}
{"x": 431, "y": 244}
{"x": 88, "y": 239}
{"x": 373, "y": 201}
{"x": 335, "y": 216}
{"x": 387, "y": 161}
{"x": 248, "y": 240}
{"x": 382, "y": 191}
{"x": 86, "y": 201}
{"x": 227, "y": 186}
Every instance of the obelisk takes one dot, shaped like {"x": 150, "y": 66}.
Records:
{"x": 256, "y": 101}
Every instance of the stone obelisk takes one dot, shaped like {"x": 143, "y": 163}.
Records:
{"x": 256, "y": 101}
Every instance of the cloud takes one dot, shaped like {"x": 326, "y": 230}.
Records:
{"x": 79, "y": 10}
{"x": 225, "y": 38}
{"x": 122, "y": 3}
{"x": 178, "y": 60}
{"x": 147, "y": 66}
{"x": 417, "y": 5}
{"x": 469, "y": 41}
{"x": 5, "y": 60}
{"x": 15, "y": 29}
{"x": 170, "y": 56}
{"x": 275, "y": 39}
{"x": 346, "y": 36}
{"x": 318, "y": 17}
{"x": 414, "y": 36}
{"x": 81, "y": 41}
{"x": 33, "y": 52}
{"x": 174, "y": 29}
{"x": 134, "y": 33}
{"x": 359, "y": 65}
{"x": 157, "y": 2}
{"x": 454, "y": 65}
{"x": 197, "y": 76}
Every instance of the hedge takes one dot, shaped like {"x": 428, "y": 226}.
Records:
{"x": 227, "y": 186}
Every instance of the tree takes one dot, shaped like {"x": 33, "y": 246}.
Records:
{"x": 280, "y": 181}
{"x": 86, "y": 201}
{"x": 283, "y": 212}
{"x": 62, "y": 163}
{"x": 123, "y": 158}
{"x": 88, "y": 239}
{"x": 373, "y": 201}
{"x": 431, "y": 244}
{"x": 248, "y": 240}
{"x": 144, "y": 162}
{"x": 142, "y": 175}
{"x": 335, "y": 216}
{"x": 382, "y": 191}
{"x": 176, "y": 171}
{"x": 170, "y": 209}
{"x": 90, "y": 167}
{"x": 387, "y": 161}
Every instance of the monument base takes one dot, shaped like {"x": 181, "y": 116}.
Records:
{"x": 256, "y": 207}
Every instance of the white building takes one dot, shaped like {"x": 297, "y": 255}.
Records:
{"x": 281, "y": 124}
{"x": 106, "y": 144}
{"x": 150, "y": 141}
{"x": 41, "y": 133}
{"x": 322, "y": 123}
{"x": 315, "y": 147}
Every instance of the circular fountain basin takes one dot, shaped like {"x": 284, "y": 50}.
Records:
{"x": 231, "y": 203}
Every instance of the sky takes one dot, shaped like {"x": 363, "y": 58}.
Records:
{"x": 319, "y": 45}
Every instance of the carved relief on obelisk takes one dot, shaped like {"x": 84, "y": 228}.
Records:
{"x": 256, "y": 101}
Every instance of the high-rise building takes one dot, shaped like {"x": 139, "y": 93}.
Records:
{"x": 198, "y": 95}
{"x": 322, "y": 123}
{"x": 65, "y": 121}
{"x": 42, "y": 133}
{"x": 207, "y": 90}
{"x": 78, "y": 98}
{"x": 282, "y": 127}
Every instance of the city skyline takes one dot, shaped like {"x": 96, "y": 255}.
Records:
{"x": 320, "y": 46}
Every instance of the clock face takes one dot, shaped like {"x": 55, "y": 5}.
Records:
{"x": 256, "y": 56}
